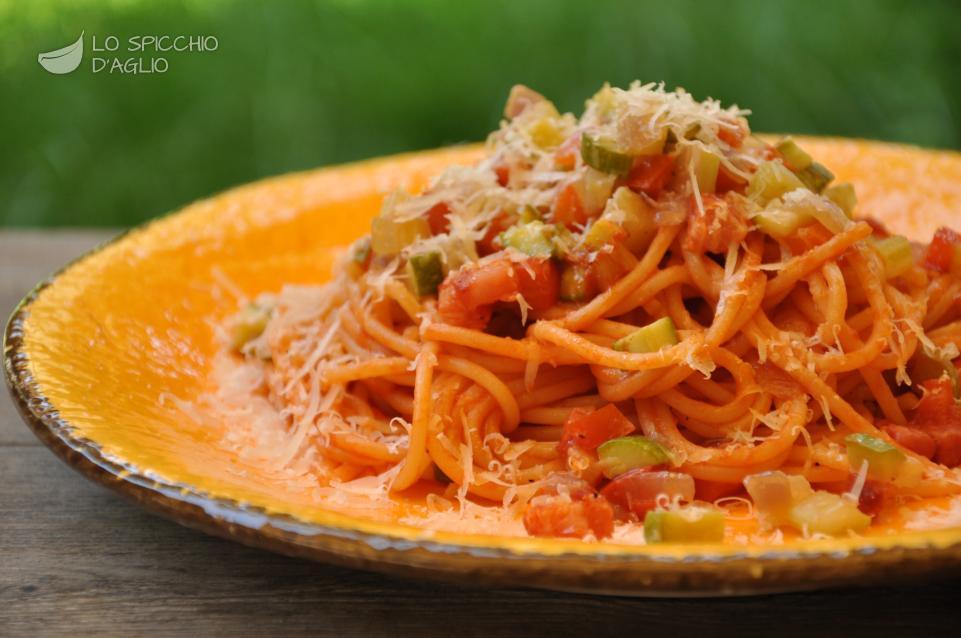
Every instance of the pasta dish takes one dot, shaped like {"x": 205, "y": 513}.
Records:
{"x": 645, "y": 324}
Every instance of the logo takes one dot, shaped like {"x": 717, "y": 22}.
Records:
{"x": 136, "y": 55}
{"x": 65, "y": 60}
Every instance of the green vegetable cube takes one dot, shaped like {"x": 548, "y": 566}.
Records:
{"x": 794, "y": 156}
{"x": 535, "y": 239}
{"x": 632, "y": 213}
{"x": 775, "y": 493}
{"x": 630, "y": 452}
{"x": 530, "y": 214}
{"x": 897, "y": 254}
{"x": 884, "y": 460}
{"x": 843, "y": 195}
{"x": 706, "y": 165}
{"x": 425, "y": 272}
{"x": 602, "y": 232}
{"x": 827, "y": 513}
{"x": 816, "y": 177}
{"x": 601, "y": 155}
{"x": 388, "y": 237}
{"x": 771, "y": 180}
{"x": 574, "y": 283}
{"x": 779, "y": 222}
{"x": 650, "y": 338}
{"x": 690, "y": 524}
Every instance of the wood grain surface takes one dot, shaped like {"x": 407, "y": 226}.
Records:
{"x": 77, "y": 560}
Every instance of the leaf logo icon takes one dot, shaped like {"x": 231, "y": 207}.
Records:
{"x": 63, "y": 60}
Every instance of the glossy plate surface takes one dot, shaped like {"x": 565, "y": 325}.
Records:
{"x": 98, "y": 358}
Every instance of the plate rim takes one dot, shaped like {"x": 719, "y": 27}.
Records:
{"x": 709, "y": 570}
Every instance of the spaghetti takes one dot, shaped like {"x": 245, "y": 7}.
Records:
{"x": 624, "y": 318}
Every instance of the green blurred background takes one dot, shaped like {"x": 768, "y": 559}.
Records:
{"x": 297, "y": 84}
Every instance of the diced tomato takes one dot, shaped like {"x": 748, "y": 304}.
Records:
{"x": 561, "y": 516}
{"x": 939, "y": 415}
{"x": 605, "y": 271}
{"x": 650, "y": 174}
{"x": 466, "y": 297}
{"x": 488, "y": 243}
{"x": 503, "y": 174}
{"x": 940, "y": 251}
{"x": 949, "y": 446}
{"x": 710, "y": 491}
{"x": 734, "y": 134}
{"x": 635, "y": 492}
{"x": 728, "y": 181}
{"x": 874, "y": 494}
{"x": 589, "y": 428}
{"x": 539, "y": 282}
{"x": 878, "y": 229}
{"x": 770, "y": 153}
{"x": 490, "y": 282}
{"x": 776, "y": 381}
{"x": 912, "y": 438}
{"x": 565, "y": 157}
{"x": 720, "y": 225}
{"x": 569, "y": 209}
{"x": 437, "y": 218}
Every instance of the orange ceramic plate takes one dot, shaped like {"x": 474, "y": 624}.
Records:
{"x": 99, "y": 359}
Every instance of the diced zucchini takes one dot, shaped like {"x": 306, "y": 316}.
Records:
{"x": 601, "y": 155}
{"x": 389, "y": 237}
{"x": 690, "y": 524}
{"x": 249, "y": 324}
{"x": 771, "y": 180}
{"x": 564, "y": 241}
{"x": 897, "y": 254}
{"x": 638, "y": 139}
{"x": 910, "y": 474}
{"x": 595, "y": 190}
{"x": 795, "y": 157}
{"x": 630, "y": 452}
{"x": 706, "y": 165}
{"x": 818, "y": 207}
{"x": 632, "y": 212}
{"x": 601, "y": 232}
{"x": 827, "y": 513}
{"x": 650, "y": 338}
{"x": 530, "y": 214}
{"x": 547, "y": 132}
{"x": 775, "y": 493}
{"x": 816, "y": 176}
{"x": 884, "y": 460}
{"x": 535, "y": 238}
{"x": 782, "y": 217}
{"x": 425, "y": 272}
{"x": 843, "y": 195}
{"x": 575, "y": 283}
{"x": 778, "y": 222}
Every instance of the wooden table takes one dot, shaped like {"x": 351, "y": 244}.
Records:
{"x": 75, "y": 559}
